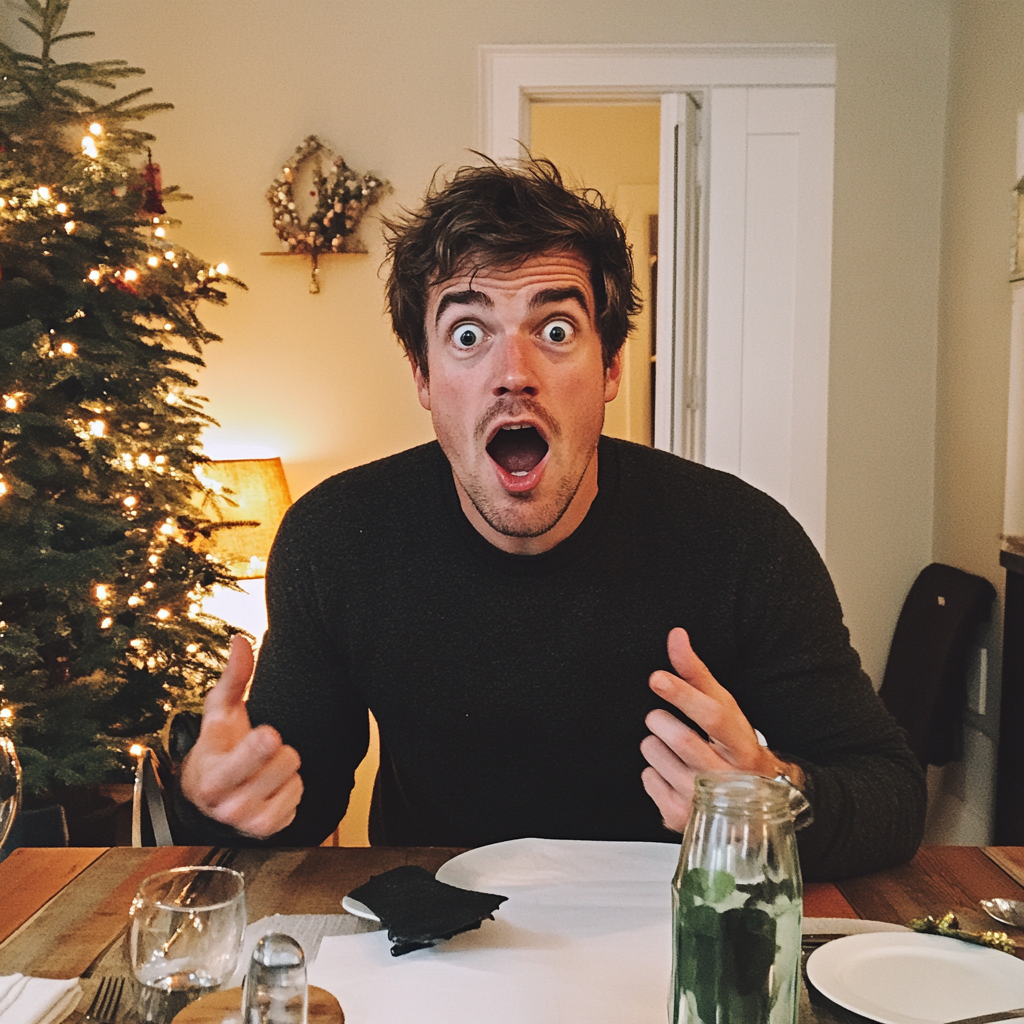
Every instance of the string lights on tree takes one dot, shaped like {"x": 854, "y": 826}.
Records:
{"x": 102, "y": 568}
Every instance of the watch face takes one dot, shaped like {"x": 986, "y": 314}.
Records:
{"x": 799, "y": 805}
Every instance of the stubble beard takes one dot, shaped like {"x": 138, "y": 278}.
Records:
{"x": 522, "y": 515}
{"x": 525, "y": 516}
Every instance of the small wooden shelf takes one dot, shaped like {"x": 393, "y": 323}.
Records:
{"x": 323, "y": 252}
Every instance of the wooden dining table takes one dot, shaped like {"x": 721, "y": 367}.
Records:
{"x": 63, "y": 912}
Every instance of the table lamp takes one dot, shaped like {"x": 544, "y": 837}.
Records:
{"x": 258, "y": 492}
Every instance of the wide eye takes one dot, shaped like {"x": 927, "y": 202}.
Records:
{"x": 558, "y": 331}
{"x": 467, "y": 335}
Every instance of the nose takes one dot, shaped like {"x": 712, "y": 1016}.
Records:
{"x": 515, "y": 370}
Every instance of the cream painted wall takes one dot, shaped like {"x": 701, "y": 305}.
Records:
{"x": 393, "y": 84}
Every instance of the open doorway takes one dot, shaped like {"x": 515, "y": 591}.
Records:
{"x": 615, "y": 148}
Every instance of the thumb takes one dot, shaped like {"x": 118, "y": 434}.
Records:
{"x": 225, "y": 718}
{"x": 687, "y": 664}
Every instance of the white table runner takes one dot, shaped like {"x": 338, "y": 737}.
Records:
{"x": 585, "y": 936}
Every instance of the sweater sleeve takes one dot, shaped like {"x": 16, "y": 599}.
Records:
{"x": 805, "y": 689}
{"x": 301, "y": 688}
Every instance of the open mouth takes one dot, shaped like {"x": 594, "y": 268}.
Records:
{"x": 517, "y": 448}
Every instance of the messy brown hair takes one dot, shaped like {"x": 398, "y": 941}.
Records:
{"x": 499, "y": 217}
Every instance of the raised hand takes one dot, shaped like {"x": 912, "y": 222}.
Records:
{"x": 243, "y": 777}
{"x": 677, "y": 754}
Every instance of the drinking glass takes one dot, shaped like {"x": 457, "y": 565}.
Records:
{"x": 187, "y": 926}
{"x": 10, "y": 787}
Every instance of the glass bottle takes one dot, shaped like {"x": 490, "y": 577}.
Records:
{"x": 737, "y": 902}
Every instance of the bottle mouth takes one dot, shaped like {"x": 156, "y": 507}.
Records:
{"x": 739, "y": 793}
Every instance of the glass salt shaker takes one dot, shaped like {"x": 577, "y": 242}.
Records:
{"x": 737, "y": 900}
{"x": 275, "y": 990}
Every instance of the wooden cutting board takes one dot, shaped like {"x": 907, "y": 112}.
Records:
{"x": 225, "y": 1007}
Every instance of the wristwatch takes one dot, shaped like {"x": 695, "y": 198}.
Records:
{"x": 799, "y": 805}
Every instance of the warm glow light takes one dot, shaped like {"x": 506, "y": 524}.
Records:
{"x": 94, "y": 276}
{"x": 97, "y": 428}
{"x": 168, "y": 255}
{"x": 10, "y": 403}
{"x": 70, "y": 227}
{"x": 3, "y": 488}
{"x": 131, "y": 275}
{"x": 154, "y": 559}
{"x": 67, "y": 348}
{"x": 131, "y": 501}
{"x": 168, "y": 327}
{"x": 143, "y": 459}
{"x": 159, "y": 232}
{"x": 89, "y": 147}
{"x": 163, "y": 614}
{"x": 3, "y": 203}
{"x": 62, "y": 207}
{"x": 150, "y": 585}
{"x": 222, "y": 268}
{"x": 6, "y": 714}
{"x": 101, "y": 592}
{"x": 191, "y": 649}
{"x": 153, "y": 261}
{"x": 194, "y": 610}
{"x": 160, "y": 460}
{"x": 106, "y": 623}
{"x": 136, "y": 750}
{"x": 167, "y": 528}
{"x": 96, "y": 128}
{"x": 134, "y": 600}
{"x": 136, "y": 643}
{"x": 44, "y": 192}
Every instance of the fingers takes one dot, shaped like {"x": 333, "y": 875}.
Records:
{"x": 255, "y": 787}
{"x": 227, "y": 695}
{"x": 697, "y": 693}
{"x": 673, "y": 804}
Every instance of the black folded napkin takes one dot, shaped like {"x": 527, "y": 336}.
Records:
{"x": 418, "y": 910}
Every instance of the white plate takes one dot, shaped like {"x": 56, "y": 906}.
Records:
{"x": 538, "y": 862}
{"x": 912, "y": 978}
{"x": 358, "y": 909}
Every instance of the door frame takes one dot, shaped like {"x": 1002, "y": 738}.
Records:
{"x": 512, "y": 76}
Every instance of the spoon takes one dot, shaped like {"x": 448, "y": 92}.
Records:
{"x": 1005, "y": 911}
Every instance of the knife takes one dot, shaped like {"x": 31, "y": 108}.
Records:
{"x": 990, "y": 1018}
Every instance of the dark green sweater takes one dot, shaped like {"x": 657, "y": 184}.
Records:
{"x": 511, "y": 690}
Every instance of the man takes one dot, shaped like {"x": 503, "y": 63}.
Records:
{"x": 526, "y": 606}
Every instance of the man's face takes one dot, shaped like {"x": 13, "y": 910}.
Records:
{"x": 516, "y": 390}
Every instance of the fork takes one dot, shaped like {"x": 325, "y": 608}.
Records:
{"x": 107, "y": 1000}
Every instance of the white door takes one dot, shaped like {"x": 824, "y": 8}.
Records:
{"x": 759, "y": 382}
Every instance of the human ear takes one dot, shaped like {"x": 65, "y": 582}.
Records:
{"x": 613, "y": 377}
{"x": 422, "y": 386}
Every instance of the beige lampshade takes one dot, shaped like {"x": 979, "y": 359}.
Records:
{"x": 259, "y": 491}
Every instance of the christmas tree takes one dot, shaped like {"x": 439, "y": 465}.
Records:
{"x": 102, "y": 570}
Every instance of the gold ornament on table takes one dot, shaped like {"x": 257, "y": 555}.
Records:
{"x": 949, "y": 925}
{"x": 341, "y": 197}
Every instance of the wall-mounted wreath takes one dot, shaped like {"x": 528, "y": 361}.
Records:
{"x": 342, "y": 197}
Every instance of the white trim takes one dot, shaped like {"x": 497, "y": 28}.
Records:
{"x": 512, "y": 76}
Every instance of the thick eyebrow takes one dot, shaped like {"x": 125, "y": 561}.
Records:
{"x": 467, "y": 297}
{"x": 553, "y": 295}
